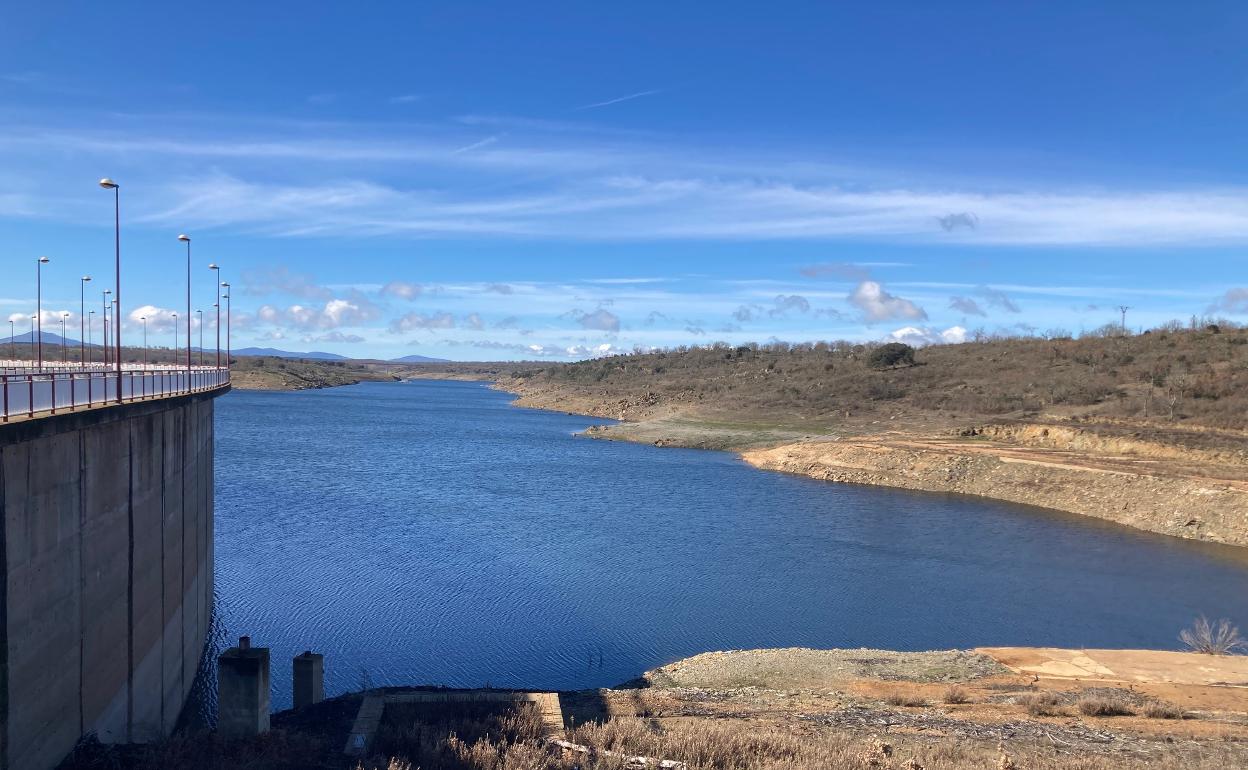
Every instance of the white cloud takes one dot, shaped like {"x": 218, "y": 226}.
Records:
{"x": 160, "y": 319}
{"x": 922, "y": 335}
{"x": 401, "y": 289}
{"x": 334, "y": 337}
{"x": 413, "y": 321}
{"x": 46, "y": 318}
{"x": 877, "y": 304}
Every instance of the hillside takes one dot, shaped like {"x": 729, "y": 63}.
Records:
{"x": 1164, "y": 378}
{"x": 271, "y": 373}
{"x": 1148, "y": 430}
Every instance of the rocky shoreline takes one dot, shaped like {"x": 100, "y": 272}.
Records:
{"x": 1168, "y": 489}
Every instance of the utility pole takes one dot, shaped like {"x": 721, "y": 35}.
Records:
{"x": 1123, "y": 309}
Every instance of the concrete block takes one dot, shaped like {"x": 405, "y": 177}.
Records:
{"x": 243, "y": 691}
{"x": 309, "y": 678}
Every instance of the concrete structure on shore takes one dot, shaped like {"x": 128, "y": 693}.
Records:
{"x": 107, "y": 559}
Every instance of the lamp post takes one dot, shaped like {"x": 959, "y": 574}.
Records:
{"x": 90, "y": 323}
{"x": 12, "y": 341}
{"x": 82, "y": 319}
{"x": 105, "y": 294}
{"x": 200, "y": 314}
{"x": 39, "y": 303}
{"x": 64, "y": 352}
{"x": 187, "y": 240}
{"x": 32, "y": 329}
{"x": 217, "y": 280}
{"x": 175, "y": 338}
{"x": 109, "y": 184}
{"x": 144, "y": 320}
{"x": 226, "y": 286}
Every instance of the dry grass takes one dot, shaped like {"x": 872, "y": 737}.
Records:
{"x": 708, "y": 745}
{"x": 1162, "y": 710}
{"x": 476, "y": 737}
{"x": 1042, "y": 704}
{"x": 904, "y": 698}
{"x": 954, "y": 694}
{"x": 1096, "y": 706}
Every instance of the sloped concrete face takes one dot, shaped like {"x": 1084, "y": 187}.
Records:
{"x": 107, "y": 558}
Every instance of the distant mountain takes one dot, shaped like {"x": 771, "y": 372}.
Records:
{"x": 274, "y": 352}
{"x": 49, "y": 338}
{"x": 415, "y": 359}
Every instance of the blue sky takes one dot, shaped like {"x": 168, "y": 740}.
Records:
{"x": 494, "y": 180}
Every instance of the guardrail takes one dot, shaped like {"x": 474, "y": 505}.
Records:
{"x": 34, "y": 392}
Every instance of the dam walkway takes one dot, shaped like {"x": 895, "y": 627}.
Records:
{"x": 28, "y": 392}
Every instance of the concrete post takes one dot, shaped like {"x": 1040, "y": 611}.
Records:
{"x": 309, "y": 678}
{"x": 243, "y": 690}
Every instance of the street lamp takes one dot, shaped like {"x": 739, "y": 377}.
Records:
{"x": 226, "y": 286}
{"x": 144, "y": 320}
{"x": 64, "y": 354}
{"x": 12, "y": 341}
{"x": 187, "y": 240}
{"x": 109, "y": 184}
{"x": 105, "y": 294}
{"x": 200, "y": 313}
{"x": 82, "y": 319}
{"x": 90, "y": 323}
{"x": 217, "y": 281}
{"x": 32, "y": 327}
{"x": 39, "y": 303}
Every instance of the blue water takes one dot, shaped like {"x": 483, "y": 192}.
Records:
{"x": 430, "y": 533}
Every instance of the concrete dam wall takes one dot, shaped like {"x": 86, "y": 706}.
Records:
{"x": 107, "y": 563}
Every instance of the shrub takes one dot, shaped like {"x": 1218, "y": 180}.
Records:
{"x": 1162, "y": 710}
{"x": 901, "y": 698}
{"x": 1093, "y": 706}
{"x": 891, "y": 355}
{"x": 1042, "y": 704}
{"x": 1219, "y": 638}
{"x": 956, "y": 694}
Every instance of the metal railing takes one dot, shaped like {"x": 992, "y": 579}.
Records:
{"x": 27, "y": 392}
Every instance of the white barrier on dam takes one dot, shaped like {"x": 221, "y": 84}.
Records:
{"x": 29, "y": 392}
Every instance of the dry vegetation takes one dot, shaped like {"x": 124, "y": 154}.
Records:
{"x": 1170, "y": 376}
{"x": 270, "y": 373}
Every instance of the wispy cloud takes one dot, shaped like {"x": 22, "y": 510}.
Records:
{"x": 617, "y": 100}
{"x": 405, "y": 99}
{"x": 350, "y": 181}
{"x": 486, "y": 142}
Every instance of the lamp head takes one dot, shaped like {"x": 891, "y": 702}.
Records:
{"x": 225, "y": 284}
{"x": 184, "y": 237}
{"x": 86, "y": 278}
{"x": 213, "y": 266}
{"x": 44, "y": 260}
{"x": 108, "y": 184}
{"x": 108, "y": 291}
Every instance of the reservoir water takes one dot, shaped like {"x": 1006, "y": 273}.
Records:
{"x": 429, "y": 532}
